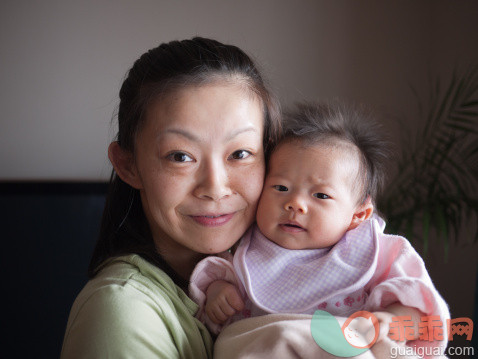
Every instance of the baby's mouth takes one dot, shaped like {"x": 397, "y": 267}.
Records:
{"x": 291, "y": 227}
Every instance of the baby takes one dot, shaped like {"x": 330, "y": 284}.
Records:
{"x": 317, "y": 243}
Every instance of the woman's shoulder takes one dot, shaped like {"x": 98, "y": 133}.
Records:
{"x": 133, "y": 277}
{"x": 130, "y": 298}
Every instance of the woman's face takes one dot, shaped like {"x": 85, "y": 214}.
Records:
{"x": 200, "y": 164}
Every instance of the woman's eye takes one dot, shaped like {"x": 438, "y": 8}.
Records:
{"x": 281, "y": 188}
{"x": 240, "y": 155}
{"x": 321, "y": 195}
{"x": 179, "y": 157}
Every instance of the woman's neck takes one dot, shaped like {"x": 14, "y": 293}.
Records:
{"x": 181, "y": 259}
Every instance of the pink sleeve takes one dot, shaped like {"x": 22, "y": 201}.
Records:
{"x": 207, "y": 271}
{"x": 401, "y": 276}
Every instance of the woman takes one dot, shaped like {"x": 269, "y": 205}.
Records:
{"x": 195, "y": 124}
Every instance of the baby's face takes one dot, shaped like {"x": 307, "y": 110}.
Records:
{"x": 308, "y": 200}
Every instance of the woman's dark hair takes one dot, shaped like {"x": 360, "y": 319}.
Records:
{"x": 158, "y": 72}
{"x": 330, "y": 123}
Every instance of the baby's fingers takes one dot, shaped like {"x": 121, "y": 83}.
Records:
{"x": 216, "y": 316}
{"x": 233, "y": 298}
{"x": 226, "y": 309}
{"x": 220, "y": 312}
{"x": 235, "y": 302}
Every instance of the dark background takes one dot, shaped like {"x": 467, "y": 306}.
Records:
{"x": 48, "y": 234}
{"x": 49, "y": 230}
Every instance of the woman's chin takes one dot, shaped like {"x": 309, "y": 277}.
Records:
{"x": 215, "y": 249}
{"x": 220, "y": 240}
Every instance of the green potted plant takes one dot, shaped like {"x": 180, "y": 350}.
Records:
{"x": 434, "y": 195}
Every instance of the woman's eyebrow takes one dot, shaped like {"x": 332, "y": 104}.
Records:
{"x": 181, "y": 132}
{"x": 241, "y": 130}
{"x": 194, "y": 138}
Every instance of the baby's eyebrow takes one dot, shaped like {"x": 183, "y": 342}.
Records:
{"x": 318, "y": 181}
{"x": 279, "y": 180}
{"x": 274, "y": 176}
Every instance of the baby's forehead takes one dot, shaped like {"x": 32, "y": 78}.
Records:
{"x": 346, "y": 150}
{"x": 338, "y": 152}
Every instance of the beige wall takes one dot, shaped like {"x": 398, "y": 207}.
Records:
{"x": 62, "y": 62}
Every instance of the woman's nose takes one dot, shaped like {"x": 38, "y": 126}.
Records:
{"x": 213, "y": 181}
{"x": 296, "y": 204}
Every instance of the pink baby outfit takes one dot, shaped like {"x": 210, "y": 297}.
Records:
{"x": 366, "y": 270}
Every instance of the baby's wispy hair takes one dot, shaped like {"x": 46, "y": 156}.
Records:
{"x": 332, "y": 122}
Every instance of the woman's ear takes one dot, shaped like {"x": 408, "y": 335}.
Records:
{"x": 124, "y": 165}
{"x": 362, "y": 213}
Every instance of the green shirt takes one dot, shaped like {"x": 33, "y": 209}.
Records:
{"x": 132, "y": 309}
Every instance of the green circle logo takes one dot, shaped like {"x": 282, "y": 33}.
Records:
{"x": 358, "y": 333}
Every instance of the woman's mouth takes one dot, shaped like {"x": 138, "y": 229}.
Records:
{"x": 213, "y": 220}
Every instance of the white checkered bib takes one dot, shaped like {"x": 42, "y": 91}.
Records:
{"x": 281, "y": 280}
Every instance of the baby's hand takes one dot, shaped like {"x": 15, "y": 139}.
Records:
{"x": 223, "y": 301}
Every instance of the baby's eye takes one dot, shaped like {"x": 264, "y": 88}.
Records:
{"x": 240, "y": 155}
{"x": 179, "y": 157}
{"x": 321, "y": 195}
{"x": 281, "y": 188}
